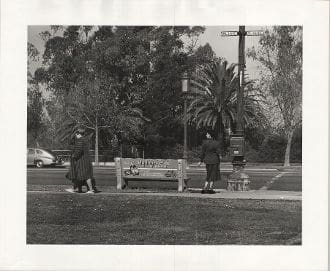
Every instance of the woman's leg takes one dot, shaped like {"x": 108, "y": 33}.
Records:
{"x": 207, "y": 176}
{"x": 214, "y": 174}
{"x": 77, "y": 186}
{"x": 94, "y": 185}
{"x": 89, "y": 184}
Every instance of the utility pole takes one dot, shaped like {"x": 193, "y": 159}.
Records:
{"x": 239, "y": 180}
{"x": 185, "y": 89}
{"x": 185, "y": 151}
{"x": 241, "y": 67}
{"x": 185, "y": 80}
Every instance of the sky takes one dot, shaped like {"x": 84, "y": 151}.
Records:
{"x": 226, "y": 47}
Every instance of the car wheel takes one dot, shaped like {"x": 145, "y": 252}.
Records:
{"x": 39, "y": 164}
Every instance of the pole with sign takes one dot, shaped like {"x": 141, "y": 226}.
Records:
{"x": 239, "y": 180}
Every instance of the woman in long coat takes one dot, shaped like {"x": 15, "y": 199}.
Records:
{"x": 81, "y": 169}
{"x": 210, "y": 155}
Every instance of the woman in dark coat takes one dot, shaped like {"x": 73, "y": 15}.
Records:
{"x": 210, "y": 155}
{"x": 81, "y": 169}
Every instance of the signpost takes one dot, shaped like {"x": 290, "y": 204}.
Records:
{"x": 239, "y": 180}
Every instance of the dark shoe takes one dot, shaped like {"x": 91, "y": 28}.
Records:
{"x": 78, "y": 190}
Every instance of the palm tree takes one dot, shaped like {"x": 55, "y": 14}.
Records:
{"x": 213, "y": 98}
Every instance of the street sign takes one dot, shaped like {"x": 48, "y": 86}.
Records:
{"x": 229, "y": 33}
{"x": 254, "y": 33}
{"x": 246, "y": 33}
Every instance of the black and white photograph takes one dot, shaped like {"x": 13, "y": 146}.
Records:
{"x": 190, "y": 147}
{"x": 164, "y": 136}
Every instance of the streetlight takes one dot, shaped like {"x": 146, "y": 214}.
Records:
{"x": 185, "y": 89}
{"x": 90, "y": 68}
{"x": 239, "y": 180}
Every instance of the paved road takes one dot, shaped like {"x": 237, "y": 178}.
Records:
{"x": 261, "y": 178}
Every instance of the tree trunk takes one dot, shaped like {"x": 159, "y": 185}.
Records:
{"x": 96, "y": 143}
{"x": 288, "y": 149}
{"x": 219, "y": 130}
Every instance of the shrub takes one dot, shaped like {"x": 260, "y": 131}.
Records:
{"x": 273, "y": 149}
{"x": 253, "y": 155}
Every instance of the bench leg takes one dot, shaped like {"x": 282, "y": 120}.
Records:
{"x": 122, "y": 184}
{"x": 180, "y": 187}
{"x": 181, "y": 174}
{"x": 119, "y": 174}
{"x": 185, "y": 186}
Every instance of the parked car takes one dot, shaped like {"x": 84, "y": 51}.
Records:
{"x": 42, "y": 157}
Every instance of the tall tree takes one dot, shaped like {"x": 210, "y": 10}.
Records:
{"x": 170, "y": 58}
{"x": 280, "y": 53}
{"x": 214, "y": 96}
{"x": 35, "y": 115}
{"x": 35, "y": 100}
{"x": 96, "y": 71}
{"x": 129, "y": 69}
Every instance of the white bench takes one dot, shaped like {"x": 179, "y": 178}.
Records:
{"x": 150, "y": 170}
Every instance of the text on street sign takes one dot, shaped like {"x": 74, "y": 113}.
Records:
{"x": 229, "y": 33}
{"x": 255, "y": 33}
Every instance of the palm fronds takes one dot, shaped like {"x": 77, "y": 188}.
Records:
{"x": 214, "y": 94}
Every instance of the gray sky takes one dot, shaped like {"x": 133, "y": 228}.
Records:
{"x": 226, "y": 47}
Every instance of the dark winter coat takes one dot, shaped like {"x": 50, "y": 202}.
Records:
{"x": 81, "y": 167}
{"x": 210, "y": 152}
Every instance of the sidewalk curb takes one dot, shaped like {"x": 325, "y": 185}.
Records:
{"x": 201, "y": 168}
{"x": 220, "y": 194}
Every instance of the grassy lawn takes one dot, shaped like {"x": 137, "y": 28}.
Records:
{"x": 140, "y": 219}
{"x": 287, "y": 183}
